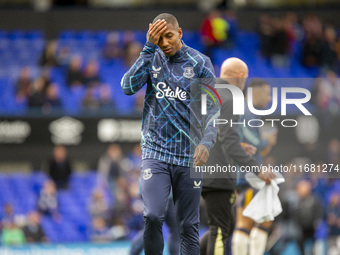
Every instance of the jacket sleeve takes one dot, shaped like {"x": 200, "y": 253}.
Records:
{"x": 251, "y": 135}
{"x": 134, "y": 79}
{"x": 230, "y": 140}
{"x": 207, "y": 76}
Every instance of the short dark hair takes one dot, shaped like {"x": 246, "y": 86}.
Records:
{"x": 257, "y": 83}
{"x": 169, "y": 18}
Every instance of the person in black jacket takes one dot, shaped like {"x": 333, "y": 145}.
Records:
{"x": 218, "y": 190}
{"x": 60, "y": 167}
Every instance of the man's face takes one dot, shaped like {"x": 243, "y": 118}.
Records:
{"x": 263, "y": 94}
{"x": 170, "y": 41}
{"x": 266, "y": 96}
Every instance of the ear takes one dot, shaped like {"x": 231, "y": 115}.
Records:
{"x": 180, "y": 32}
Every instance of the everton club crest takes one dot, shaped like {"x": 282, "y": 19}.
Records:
{"x": 188, "y": 72}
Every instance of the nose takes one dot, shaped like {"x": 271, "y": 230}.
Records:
{"x": 164, "y": 43}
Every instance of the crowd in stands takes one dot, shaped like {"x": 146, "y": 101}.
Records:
{"x": 110, "y": 219}
{"x": 84, "y": 69}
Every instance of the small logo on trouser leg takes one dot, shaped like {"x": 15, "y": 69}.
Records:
{"x": 197, "y": 184}
{"x": 147, "y": 174}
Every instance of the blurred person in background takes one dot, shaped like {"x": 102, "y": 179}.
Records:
{"x": 52, "y": 98}
{"x": 326, "y": 96}
{"x": 91, "y": 74}
{"x": 98, "y": 206}
{"x": 100, "y": 232}
{"x": 75, "y": 75}
{"x": 219, "y": 193}
{"x": 23, "y": 85}
{"x": 105, "y": 96}
{"x": 246, "y": 231}
{"x": 274, "y": 39}
{"x": 112, "y": 50}
{"x": 333, "y": 222}
{"x": 131, "y": 53}
{"x": 98, "y": 97}
{"x": 265, "y": 31}
{"x": 90, "y": 100}
{"x": 109, "y": 167}
{"x": 64, "y": 57}
{"x": 329, "y": 61}
{"x": 49, "y": 55}
{"x": 12, "y": 234}
{"x": 308, "y": 215}
{"x": 135, "y": 157}
{"x": 312, "y": 44}
{"x": 293, "y": 29}
{"x": 36, "y": 98}
{"x": 8, "y": 215}
{"x": 214, "y": 31}
{"x": 48, "y": 200}
{"x": 59, "y": 167}
{"x": 279, "y": 54}
{"x": 333, "y": 152}
{"x": 33, "y": 231}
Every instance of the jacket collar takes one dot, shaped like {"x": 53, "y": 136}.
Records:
{"x": 180, "y": 55}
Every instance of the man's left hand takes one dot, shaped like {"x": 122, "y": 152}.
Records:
{"x": 201, "y": 155}
{"x": 249, "y": 149}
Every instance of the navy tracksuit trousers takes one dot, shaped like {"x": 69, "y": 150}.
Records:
{"x": 157, "y": 178}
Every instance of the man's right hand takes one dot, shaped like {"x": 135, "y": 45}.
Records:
{"x": 266, "y": 176}
{"x": 155, "y": 31}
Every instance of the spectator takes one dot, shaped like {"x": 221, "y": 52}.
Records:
{"x": 265, "y": 30}
{"x": 96, "y": 97}
{"x": 98, "y": 206}
{"x": 308, "y": 214}
{"x": 75, "y": 75}
{"x": 11, "y": 234}
{"x": 48, "y": 201}
{"x": 8, "y": 215}
{"x": 37, "y": 94}
{"x": 333, "y": 153}
{"x": 293, "y": 29}
{"x": 312, "y": 26}
{"x": 112, "y": 49}
{"x": 135, "y": 157}
{"x": 23, "y": 85}
{"x": 60, "y": 167}
{"x": 91, "y": 74}
{"x": 64, "y": 57}
{"x": 100, "y": 232}
{"x": 214, "y": 31}
{"x": 131, "y": 53}
{"x": 52, "y": 99}
{"x": 274, "y": 39}
{"x": 49, "y": 56}
{"x": 327, "y": 98}
{"x": 333, "y": 222}
{"x": 109, "y": 167}
{"x": 279, "y": 43}
{"x": 90, "y": 100}
{"x": 105, "y": 96}
{"x": 33, "y": 230}
{"x": 312, "y": 45}
{"x": 328, "y": 59}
